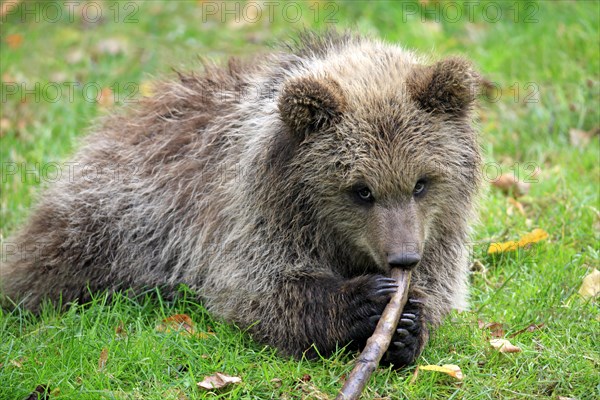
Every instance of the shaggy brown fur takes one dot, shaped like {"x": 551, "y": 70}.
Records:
{"x": 282, "y": 190}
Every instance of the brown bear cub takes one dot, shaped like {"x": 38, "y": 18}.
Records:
{"x": 282, "y": 190}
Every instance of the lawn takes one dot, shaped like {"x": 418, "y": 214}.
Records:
{"x": 63, "y": 64}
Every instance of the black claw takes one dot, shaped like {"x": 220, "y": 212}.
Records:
{"x": 387, "y": 280}
{"x": 406, "y": 322}
{"x": 399, "y": 345}
{"x": 416, "y": 302}
{"x": 374, "y": 318}
{"x": 409, "y": 315}
{"x": 402, "y": 333}
{"x": 386, "y": 291}
{"x": 389, "y": 285}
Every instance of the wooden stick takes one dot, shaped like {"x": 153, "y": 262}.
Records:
{"x": 379, "y": 342}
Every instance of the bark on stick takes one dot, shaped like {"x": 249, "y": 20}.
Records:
{"x": 379, "y": 342}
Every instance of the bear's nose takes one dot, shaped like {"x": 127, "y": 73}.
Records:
{"x": 403, "y": 260}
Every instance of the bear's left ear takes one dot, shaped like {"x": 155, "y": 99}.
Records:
{"x": 450, "y": 86}
{"x": 308, "y": 104}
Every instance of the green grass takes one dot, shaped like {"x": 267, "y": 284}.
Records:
{"x": 554, "y": 63}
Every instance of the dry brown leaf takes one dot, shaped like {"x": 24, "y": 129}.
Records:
{"x": 449, "y": 369}
{"x": 218, "y": 381}
{"x": 120, "y": 330}
{"x": 530, "y": 328}
{"x": 496, "y": 328}
{"x": 517, "y": 205}
{"x": 504, "y": 346}
{"x": 534, "y": 236}
{"x": 580, "y": 138}
{"x": 508, "y": 182}
{"x": 276, "y": 382}
{"x": 566, "y": 398}
{"x": 183, "y": 324}
{"x": 591, "y": 285}
{"x": 179, "y": 322}
{"x": 14, "y": 41}
{"x": 103, "y": 358}
{"x": 19, "y": 362}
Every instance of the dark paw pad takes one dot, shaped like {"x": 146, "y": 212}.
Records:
{"x": 406, "y": 342}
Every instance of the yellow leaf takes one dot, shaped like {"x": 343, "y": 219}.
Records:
{"x": 534, "y": 236}
{"x": 591, "y": 285}
{"x": 146, "y": 89}
{"x": 183, "y": 324}
{"x": 450, "y": 369}
{"x": 504, "y": 346}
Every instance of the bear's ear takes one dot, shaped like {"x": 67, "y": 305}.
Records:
{"x": 308, "y": 104}
{"x": 450, "y": 86}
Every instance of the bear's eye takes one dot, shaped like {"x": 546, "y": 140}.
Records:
{"x": 364, "y": 194}
{"x": 420, "y": 188}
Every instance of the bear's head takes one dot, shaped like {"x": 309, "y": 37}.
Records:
{"x": 383, "y": 162}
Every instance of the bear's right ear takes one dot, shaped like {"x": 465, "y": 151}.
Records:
{"x": 449, "y": 86}
{"x": 308, "y": 104}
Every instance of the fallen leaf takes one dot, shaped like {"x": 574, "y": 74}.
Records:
{"x": 496, "y": 328}
{"x": 517, "y": 205}
{"x": 591, "y": 285}
{"x": 18, "y": 363}
{"x": 120, "y": 330}
{"x": 106, "y": 97}
{"x": 218, "y": 381}
{"x": 507, "y": 183}
{"x": 534, "y": 236}
{"x": 41, "y": 392}
{"x": 504, "y": 346}
{"x": 179, "y": 322}
{"x": 566, "y": 398}
{"x": 276, "y": 382}
{"x": 580, "y": 138}
{"x": 183, "y": 324}
{"x": 14, "y": 41}
{"x": 103, "y": 358}
{"x": 530, "y": 328}
{"x": 449, "y": 369}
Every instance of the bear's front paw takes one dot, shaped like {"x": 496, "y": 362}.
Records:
{"x": 368, "y": 296}
{"x": 406, "y": 342}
